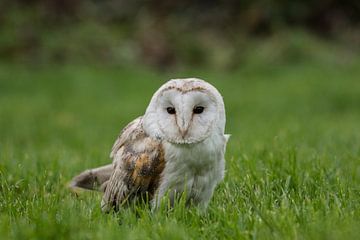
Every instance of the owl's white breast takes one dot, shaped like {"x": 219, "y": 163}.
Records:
{"x": 195, "y": 169}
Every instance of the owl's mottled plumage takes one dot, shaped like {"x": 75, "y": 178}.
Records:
{"x": 178, "y": 145}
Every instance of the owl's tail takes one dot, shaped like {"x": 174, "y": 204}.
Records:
{"x": 92, "y": 179}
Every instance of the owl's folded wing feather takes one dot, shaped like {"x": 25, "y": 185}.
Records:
{"x": 138, "y": 162}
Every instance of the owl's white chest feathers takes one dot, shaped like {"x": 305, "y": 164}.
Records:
{"x": 195, "y": 169}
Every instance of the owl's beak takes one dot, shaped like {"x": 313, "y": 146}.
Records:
{"x": 183, "y": 127}
{"x": 183, "y": 132}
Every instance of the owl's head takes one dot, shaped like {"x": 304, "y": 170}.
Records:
{"x": 185, "y": 111}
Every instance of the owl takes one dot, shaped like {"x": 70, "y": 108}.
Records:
{"x": 175, "y": 149}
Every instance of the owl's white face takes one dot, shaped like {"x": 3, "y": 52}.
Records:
{"x": 185, "y": 111}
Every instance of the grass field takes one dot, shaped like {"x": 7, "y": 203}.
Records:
{"x": 293, "y": 162}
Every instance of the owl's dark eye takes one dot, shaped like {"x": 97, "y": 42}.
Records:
{"x": 171, "y": 110}
{"x": 198, "y": 110}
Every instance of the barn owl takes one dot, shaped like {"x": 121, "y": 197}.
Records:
{"x": 177, "y": 146}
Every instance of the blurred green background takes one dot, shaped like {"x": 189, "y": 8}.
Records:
{"x": 74, "y": 73}
{"x": 165, "y": 34}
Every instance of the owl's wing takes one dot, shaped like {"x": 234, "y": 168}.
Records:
{"x": 138, "y": 162}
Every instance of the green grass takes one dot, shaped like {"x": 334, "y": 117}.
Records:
{"x": 293, "y": 162}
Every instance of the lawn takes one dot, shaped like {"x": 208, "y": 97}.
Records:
{"x": 293, "y": 161}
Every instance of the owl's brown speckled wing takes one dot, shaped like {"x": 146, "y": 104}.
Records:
{"x": 138, "y": 162}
